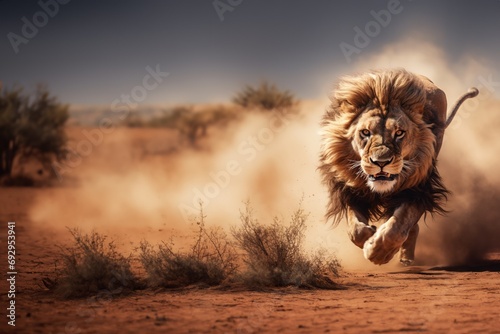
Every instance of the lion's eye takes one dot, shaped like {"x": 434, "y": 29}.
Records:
{"x": 399, "y": 134}
{"x": 365, "y": 133}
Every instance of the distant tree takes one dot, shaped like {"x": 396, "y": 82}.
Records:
{"x": 185, "y": 120}
{"x": 266, "y": 96}
{"x": 31, "y": 126}
{"x": 133, "y": 120}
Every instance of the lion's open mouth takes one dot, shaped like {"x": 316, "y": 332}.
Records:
{"x": 382, "y": 176}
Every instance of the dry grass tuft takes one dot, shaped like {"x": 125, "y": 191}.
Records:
{"x": 275, "y": 257}
{"x": 93, "y": 266}
{"x": 211, "y": 260}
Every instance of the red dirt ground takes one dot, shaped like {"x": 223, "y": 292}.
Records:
{"x": 415, "y": 299}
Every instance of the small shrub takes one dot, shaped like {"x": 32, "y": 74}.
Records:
{"x": 93, "y": 266}
{"x": 211, "y": 260}
{"x": 275, "y": 255}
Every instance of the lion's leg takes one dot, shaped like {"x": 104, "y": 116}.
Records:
{"x": 391, "y": 235}
{"x": 358, "y": 228}
{"x": 407, "y": 254}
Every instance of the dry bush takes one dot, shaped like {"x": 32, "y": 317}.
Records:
{"x": 211, "y": 260}
{"x": 93, "y": 266}
{"x": 275, "y": 256}
{"x": 266, "y": 96}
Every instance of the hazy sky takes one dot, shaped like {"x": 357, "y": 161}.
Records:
{"x": 92, "y": 51}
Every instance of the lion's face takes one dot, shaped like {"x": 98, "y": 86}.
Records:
{"x": 381, "y": 135}
{"x": 383, "y": 141}
{"x": 377, "y": 134}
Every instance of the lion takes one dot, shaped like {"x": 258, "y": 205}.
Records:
{"x": 381, "y": 137}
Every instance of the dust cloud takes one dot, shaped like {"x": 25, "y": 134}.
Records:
{"x": 135, "y": 185}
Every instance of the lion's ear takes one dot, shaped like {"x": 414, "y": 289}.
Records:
{"x": 340, "y": 106}
{"x": 347, "y": 106}
{"x": 353, "y": 94}
{"x": 352, "y": 105}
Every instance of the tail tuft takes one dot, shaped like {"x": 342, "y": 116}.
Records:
{"x": 473, "y": 92}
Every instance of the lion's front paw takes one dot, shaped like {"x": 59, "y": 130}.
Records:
{"x": 360, "y": 232}
{"x": 384, "y": 244}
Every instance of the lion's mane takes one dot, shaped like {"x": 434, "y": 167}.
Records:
{"x": 398, "y": 91}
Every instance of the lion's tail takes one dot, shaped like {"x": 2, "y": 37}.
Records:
{"x": 472, "y": 92}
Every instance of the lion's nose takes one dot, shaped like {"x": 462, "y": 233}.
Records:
{"x": 381, "y": 163}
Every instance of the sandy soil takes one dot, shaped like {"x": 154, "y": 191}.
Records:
{"x": 416, "y": 299}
